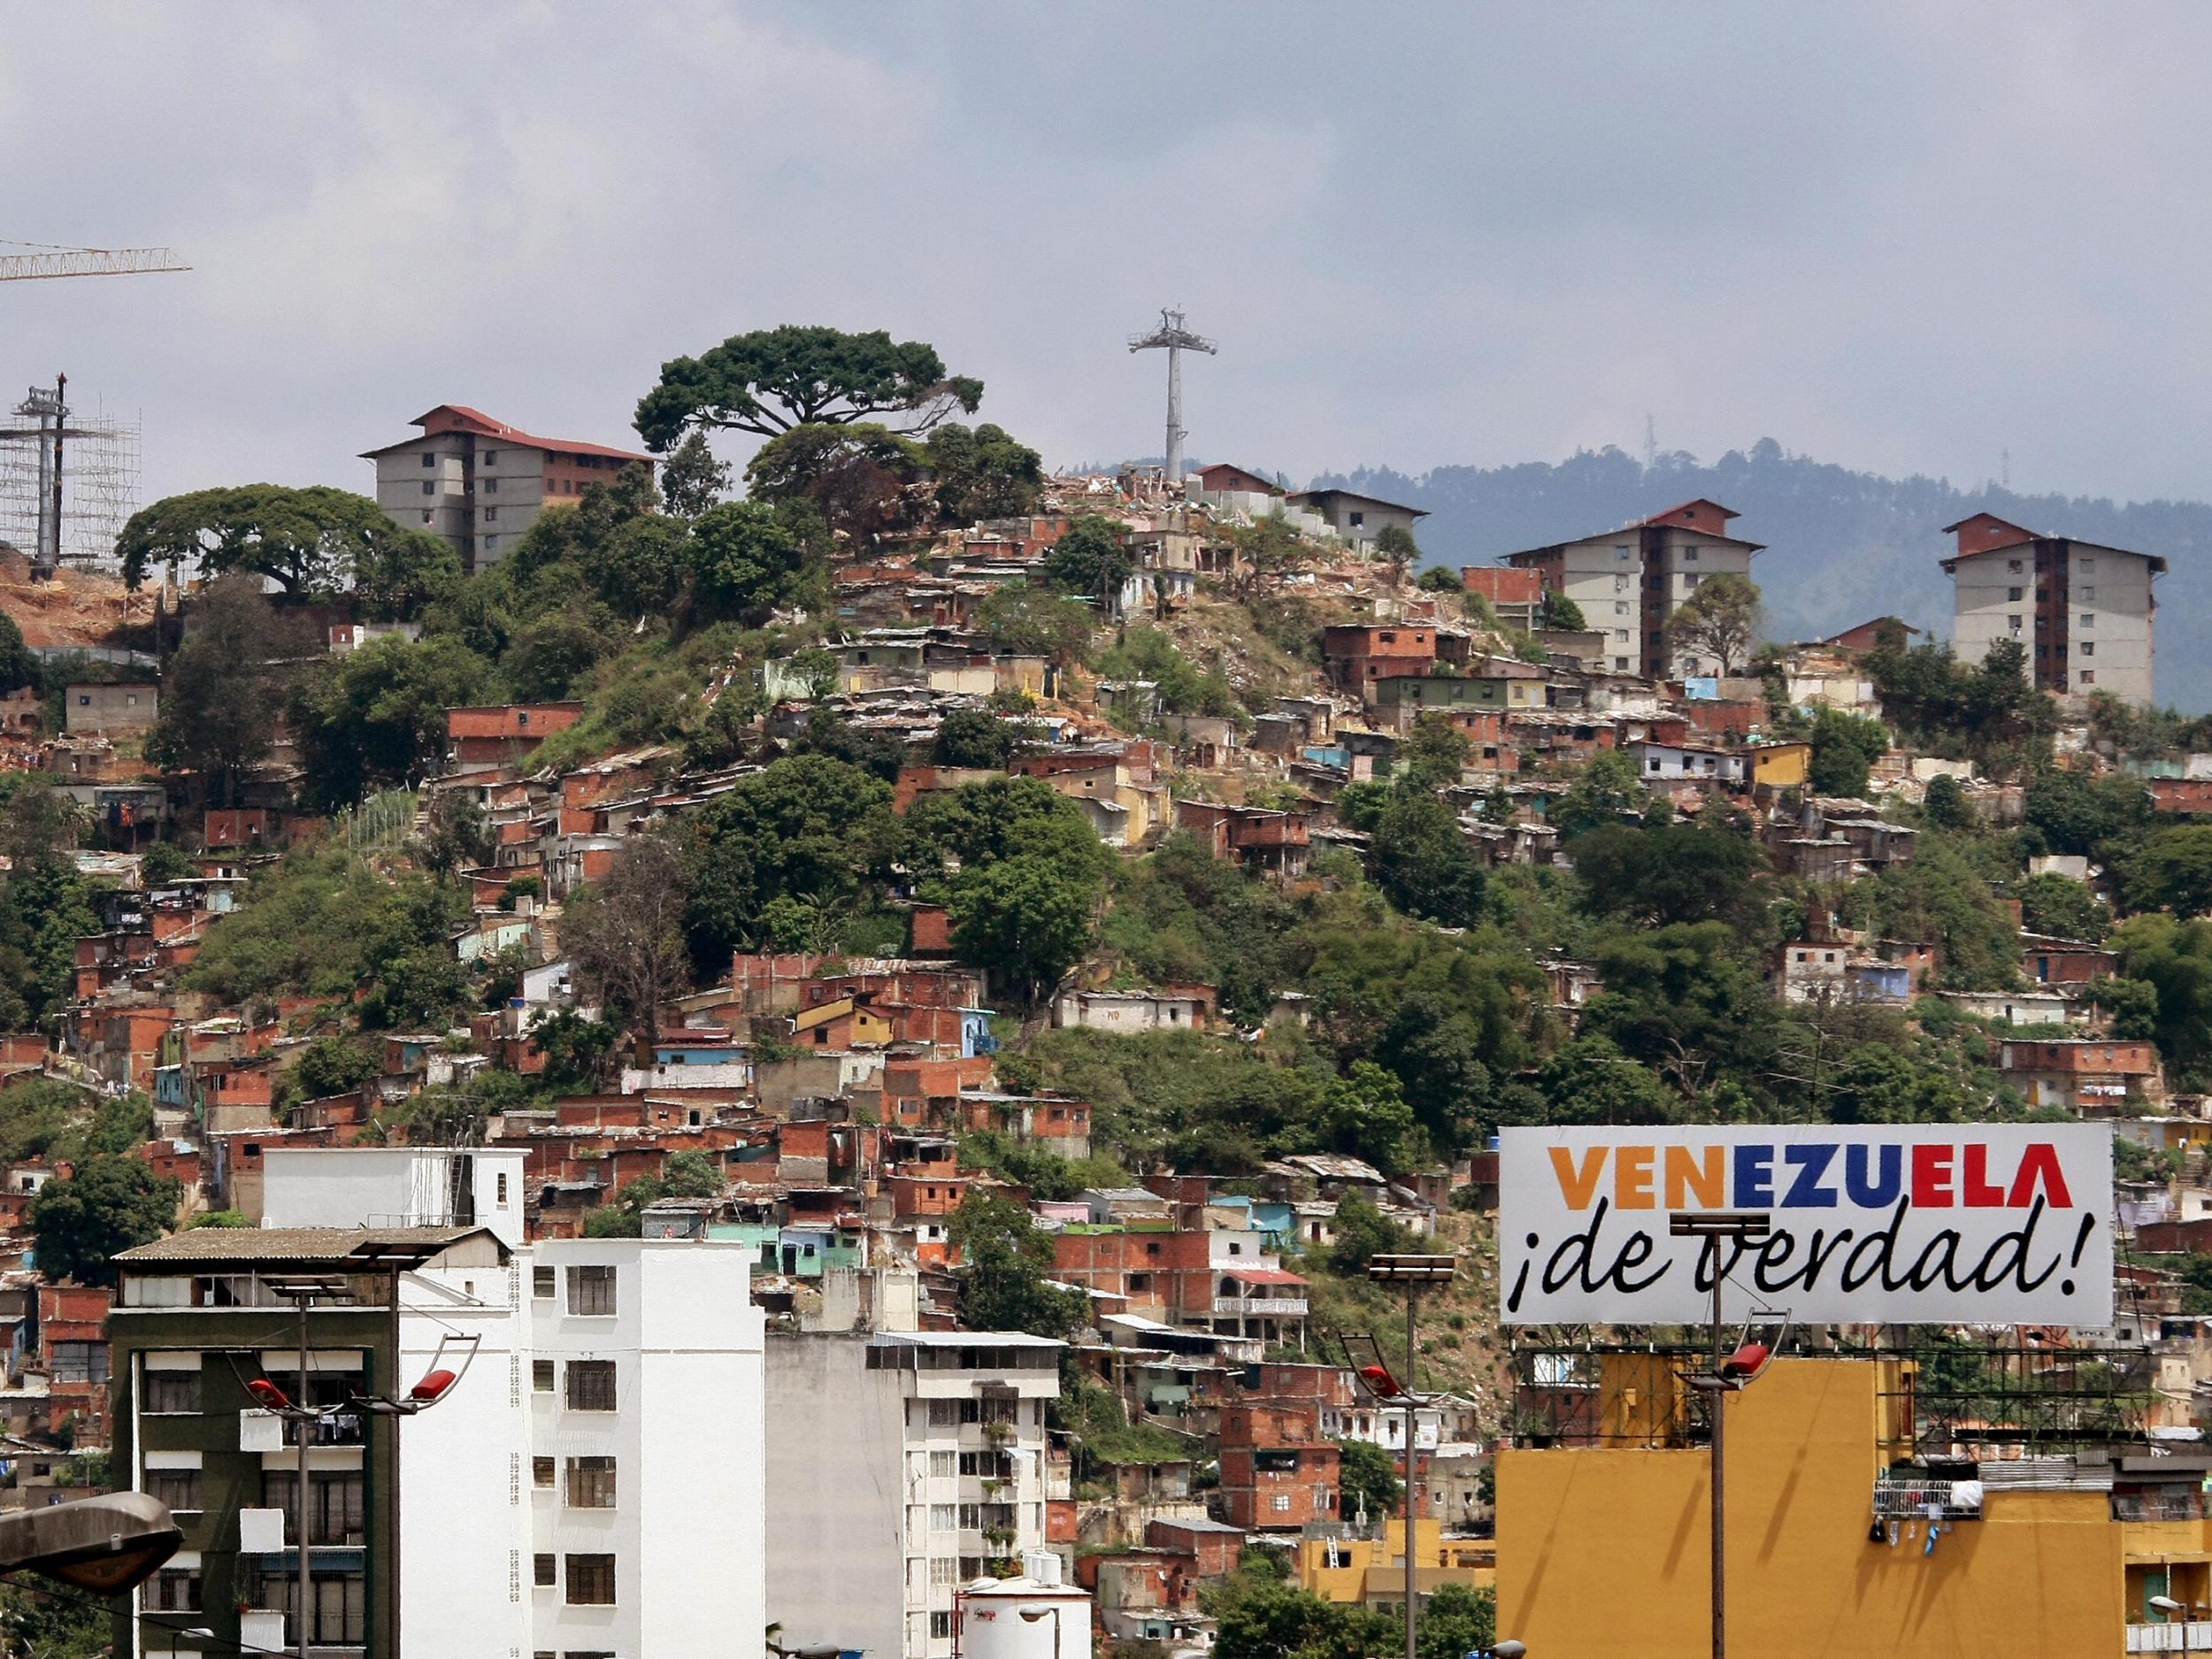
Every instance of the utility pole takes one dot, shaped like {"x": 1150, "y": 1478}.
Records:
{"x": 1174, "y": 339}
{"x": 1715, "y": 1226}
{"x": 1412, "y": 1272}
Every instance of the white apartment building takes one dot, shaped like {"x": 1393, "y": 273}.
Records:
{"x": 901, "y": 1466}
{"x": 1628, "y": 582}
{"x": 480, "y": 483}
{"x": 2081, "y": 612}
{"x": 594, "y": 1483}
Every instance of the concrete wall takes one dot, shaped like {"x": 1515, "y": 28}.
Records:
{"x": 836, "y": 1498}
{"x": 389, "y": 1186}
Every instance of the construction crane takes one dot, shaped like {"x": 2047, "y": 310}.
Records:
{"x": 52, "y": 261}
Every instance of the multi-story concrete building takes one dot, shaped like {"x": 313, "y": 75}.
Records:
{"x": 1628, "y": 582}
{"x": 480, "y": 483}
{"x": 901, "y": 1466}
{"x": 2080, "y": 611}
{"x": 599, "y": 1457}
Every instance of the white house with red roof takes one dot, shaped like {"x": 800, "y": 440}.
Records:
{"x": 1628, "y": 582}
{"x": 480, "y": 483}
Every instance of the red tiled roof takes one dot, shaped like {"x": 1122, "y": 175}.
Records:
{"x": 461, "y": 418}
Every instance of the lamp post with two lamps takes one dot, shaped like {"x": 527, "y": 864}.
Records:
{"x": 1729, "y": 1373}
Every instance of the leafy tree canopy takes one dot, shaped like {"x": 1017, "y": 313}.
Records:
{"x": 1089, "y": 558}
{"x": 772, "y": 380}
{"x": 312, "y": 543}
{"x": 111, "y": 1205}
{"x": 1719, "y": 619}
{"x": 983, "y": 473}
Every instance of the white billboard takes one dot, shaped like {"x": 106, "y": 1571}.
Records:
{"x": 1964, "y": 1224}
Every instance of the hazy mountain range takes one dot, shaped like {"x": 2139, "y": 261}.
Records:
{"x": 1841, "y": 546}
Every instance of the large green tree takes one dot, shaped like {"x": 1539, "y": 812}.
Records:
{"x": 377, "y": 717}
{"x": 221, "y": 693}
{"x": 2173, "y": 872}
{"x": 772, "y": 380}
{"x": 861, "y": 480}
{"x": 312, "y": 543}
{"x": 1845, "y": 749}
{"x": 747, "y": 558}
{"x": 1425, "y": 864}
{"x": 1027, "y": 919}
{"x": 1089, "y": 558}
{"x": 1720, "y": 619}
{"x": 983, "y": 473}
{"x": 1005, "y": 1262}
{"x": 110, "y": 1204}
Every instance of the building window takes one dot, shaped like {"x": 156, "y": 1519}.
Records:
{"x": 81, "y": 1361}
{"x": 1620, "y": 607}
{"x": 544, "y": 1282}
{"x": 2089, "y": 647}
{"x": 942, "y": 1464}
{"x": 491, "y": 515}
{"x": 491, "y": 543}
{"x": 942, "y": 1572}
{"x": 490, "y": 456}
{"x": 1620, "y": 553}
{"x": 2089, "y": 619}
{"x": 543, "y": 1571}
{"x": 430, "y": 486}
{"x": 591, "y": 1385}
{"x": 170, "y": 1391}
{"x": 2013, "y": 594}
{"x": 2015, "y": 622}
{"x": 429, "y": 459}
{"x": 542, "y": 1376}
{"x": 591, "y": 1291}
{"x": 426, "y": 515}
{"x": 1691, "y": 579}
{"x": 591, "y": 1483}
{"x": 941, "y": 1517}
{"x": 542, "y": 1471}
{"x": 337, "y": 1502}
{"x": 2087, "y": 678}
{"x": 491, "y": 487}
{"x": 2013, "y": 567}
{"x": 179, "y": 1488}
{"x": 1358, "y": 519}
{"x": 591, "y": 1580}
{"x": 1689, "y": 556}
{"x": 941, "y": 1627}
{"x": 2086, "y": 564}
{"x": 174, "y": 1590}
{"x": 1620, "y": 664}
{"x": 502, "y": 1190}
{"x": 1282, "y": 1504}
{"x": 2088, "y": 595}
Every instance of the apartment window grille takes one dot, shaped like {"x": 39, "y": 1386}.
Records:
{"x": 940, "y": 1464}
{"x": 544, "y": 1282}
{"x": 178, "y": 1488}
{"x": 941, "y": 1627}
{"x": 338, "y": 1614}
{"x": 591, "y": 1291}
{"x": 337, "y": 1502}
{"x": 942, "y": 1571}
{"x": 941, "y": 1518}
{"x": 174, "y": 1590}
{"x": 542, "y": 1471}
{"x": 591, "y": 1483}
{"x": 170, "y": 1391}
{"x": 542, "y": 1376}
{"x": 591, "y": 1580}
{"x": 591, "y": 1385}
{"x": 545, "y": 1571}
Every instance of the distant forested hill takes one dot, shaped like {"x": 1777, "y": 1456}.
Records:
{"x": 1842, "y": 546}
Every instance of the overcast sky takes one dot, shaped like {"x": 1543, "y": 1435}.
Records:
{"x": 1898, "y": 236}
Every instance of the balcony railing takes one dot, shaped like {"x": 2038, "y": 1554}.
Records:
{"x": 1288, "y": 1306}
{"x": 2178, "y": 1506}
{"x": 2190, "y": 1638}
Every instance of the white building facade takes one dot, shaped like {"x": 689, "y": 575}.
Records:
{"x": 901, "y": 1466}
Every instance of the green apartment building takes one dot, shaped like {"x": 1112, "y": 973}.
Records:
{"x": 197, "y": 1317}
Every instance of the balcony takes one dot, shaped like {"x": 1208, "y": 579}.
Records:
{"x": 2190, "y": 1638}
{"x": 1261, "y": 1307}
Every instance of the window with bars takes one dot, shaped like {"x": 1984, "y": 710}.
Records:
{"x": 591, "y": 1385}
{"x": 542, "y": 1471}
{"x": 542, "y": 1376}
{"x": 591, "y": 1291}
{"x": 544, "y": 1571}
{"x": 591, "y": 1483}
{"x": 544, "y": 1282}
{"x": 177, "y": 1489}
{"x": 337, "y": 1502}
{"x": 169, "y": 1391}
{"x": 590, "y": 1580}
{"x": 173, "y": 1590}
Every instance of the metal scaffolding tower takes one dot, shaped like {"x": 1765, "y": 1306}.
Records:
{"x": 1175, "y": 339}
{"x": 48, "y": 446}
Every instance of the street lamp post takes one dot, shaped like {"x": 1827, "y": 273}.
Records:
{"x": 302, "y": 1292}
{"x": 1412, "y": 1271}
{"x": 1717, "y": 1226}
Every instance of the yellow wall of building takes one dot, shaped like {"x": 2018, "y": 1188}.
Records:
{"x": 1604, "y": 1552}
{"x": 1372, "y": 1569}
{"x": 1781, "y": 765}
